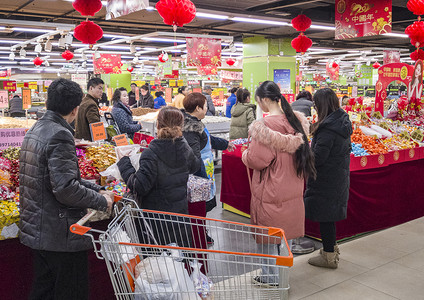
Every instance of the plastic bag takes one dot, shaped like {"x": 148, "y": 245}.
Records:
{"x": 202, "y": 283}
{"x": 127, "y": 150}
{"x": 113, "y": 170}
{"x": 118, "y": 254}
{"x": 163, "y": 278}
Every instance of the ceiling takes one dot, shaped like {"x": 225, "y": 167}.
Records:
{"x": 237, "y": 19}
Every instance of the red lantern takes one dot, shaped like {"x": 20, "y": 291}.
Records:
{"x": 37, "y": 61}
{"x": 88, "y": 32}
{"x": 230, "y": 61}
{"x": 87, "y": 7}
{"x": 163, "y": 57}
{"x": 302, "y": 43}
{"x": 130, "y": 69}
{"x": 416, "y": 55}
{"x": 301, "y": 23}
{"x": 335, "y": 65}
{"x": 376, "y": 65}
{"x": 416, "y": 6}
{"x": 68, "y": 55}
{"x": 176, "y": 12}
{"x": 209, "y": 78}
{"x": 415, "y": 32}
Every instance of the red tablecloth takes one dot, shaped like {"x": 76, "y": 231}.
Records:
{"x": 17, "y": 270}
{"x": 379, "y": 197}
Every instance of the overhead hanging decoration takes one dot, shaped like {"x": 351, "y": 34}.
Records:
{"x": 87, "y": 7}
{"x": 38, "y": 61}
{"x": 415, "y": 31}
{"x": 301, "y": 43}
{"x": 335, "y": 64}
{"x": 68, "y": 55}
{"x": 176, "y": 12}
{"x": 88, "y": 32}
{"x": 163, "y": 57}
{"x": 376, "y": 65}
{"x": 130, "y": 69}
{"x": 230, "y": 62}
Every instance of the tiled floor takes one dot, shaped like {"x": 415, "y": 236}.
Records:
{"x": 388, "y": 264}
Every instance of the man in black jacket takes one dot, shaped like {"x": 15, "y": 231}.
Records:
{"x": 15, "y": 107}
{"x": 53, "y": 196}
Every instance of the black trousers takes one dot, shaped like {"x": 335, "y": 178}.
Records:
{"x": 328, "y": 235}
{"x": 60, "y": 275}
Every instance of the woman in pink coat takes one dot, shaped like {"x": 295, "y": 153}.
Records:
{"x": 281, "y": 159}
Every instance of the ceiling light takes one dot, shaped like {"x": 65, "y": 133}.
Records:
{"x": 68, "y": 39}
{"x": 163, "y": 40}
{"x": 323, "y": 27}
{"x": 38, "y": 48}
{"x": 62, "y": 42}
{"x": 83, "y": 56}
{"x": 84, "y": 64}
{"x": 135, "y": 60}
{"x": 394, "y": 34}
{"x": 40, "y": 30}
{"x": 12, "y": 56}
{"x": 259, "y": 21}
{"x": 46, "y": 63}
{"x": 211, "y": 16}
{"x": 22, "y": 53}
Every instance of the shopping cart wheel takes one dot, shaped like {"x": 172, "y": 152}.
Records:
{"x": 302, "y": 246}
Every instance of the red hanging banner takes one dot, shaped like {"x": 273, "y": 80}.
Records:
{"x": 205, "y": 54}
{"x": 107, "y": 64}
{"x": 358, "y": 18}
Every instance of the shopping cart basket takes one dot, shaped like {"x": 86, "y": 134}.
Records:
{"x": 162, "y": 242}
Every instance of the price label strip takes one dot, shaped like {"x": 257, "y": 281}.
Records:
{"x": 120, "y": 140}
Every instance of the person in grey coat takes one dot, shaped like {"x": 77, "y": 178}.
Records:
{"x": 207, "y": 92}
{"x": 15, "y": 107}
{"x": 53, "y": 196}
{"x": 303, "y": 103}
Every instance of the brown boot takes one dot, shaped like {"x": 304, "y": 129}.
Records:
{"x": 336, "y": 249}
{"x": 325, "y": 260}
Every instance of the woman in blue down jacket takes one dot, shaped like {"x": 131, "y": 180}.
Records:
{"x": 122, "y": 114}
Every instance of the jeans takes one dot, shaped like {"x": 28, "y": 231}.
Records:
{"x": 269, "y": 269}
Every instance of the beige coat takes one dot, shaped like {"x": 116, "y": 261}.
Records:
{"x": 277, "y": 191}
{"x": 178, "y": 101}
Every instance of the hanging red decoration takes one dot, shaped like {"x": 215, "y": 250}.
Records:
{"x": 87, "y": 7}
{"x": 376, "y": 65}
{"x": 37, "y": 61}
{"x": 176, "y": 12}
{"x": 130, "y": 69}
{"x": 209, "y": 78}
{"x": 154, "y": 87}
{"x": 163, "y": 57}
{"x": 88, "y": 32}
{"x": 302, "y": 43}
{"x": 415, "y": 31}
{"x": 68, "y": 55}
{"x": 416, "y": 6}
{"x": 301, "y": 23}
{"x": 335, "y": 65}
{"x": 230, "y": 62}
{"x": 416, "y": 55}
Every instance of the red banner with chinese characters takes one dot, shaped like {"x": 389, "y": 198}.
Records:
{"x": 9, "y": 85}
{"x": 358, "y": 18}
{"x": 205, "y": 54}
{"x": 6, "y": 74}
{"x": 391, "y": 57}
{"x": 107, "y": 64}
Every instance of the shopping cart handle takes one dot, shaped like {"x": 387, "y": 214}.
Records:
{"x": 117, "y": 198}
{"x": 78, "y": 227}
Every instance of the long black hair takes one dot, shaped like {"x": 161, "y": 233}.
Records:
{"x": 304, "y": 158}
{"x": 326, "y": 102}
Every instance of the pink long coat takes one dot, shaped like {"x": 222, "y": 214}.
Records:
{"x": 277, "y": 191}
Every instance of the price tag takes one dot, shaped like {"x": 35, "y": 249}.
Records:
{"x": 377, "y": 115}
{"x": 384, "y": 125}
{"x": 4, "y": 101}
{"x": 405, "y": 135}
{"x": 172, "y": 83}
{"x": 98, "y": 132}
{"x": 180, "y": 82}
{"x": 354, "y": 117}
{"x": 137, "y": 94}
{"x": 26, "y": 98}
{"x": 221, "y": 96}
{"x": 417, "y": 135}
{"x": 168, "y": 95}
{"x": 120, "y": 140}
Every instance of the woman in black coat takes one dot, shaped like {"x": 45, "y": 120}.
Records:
{"x": 326, "y": 197}
{"x": 161, "y": 181}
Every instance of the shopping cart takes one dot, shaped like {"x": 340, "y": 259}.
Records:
{"x": 167, "y": 244}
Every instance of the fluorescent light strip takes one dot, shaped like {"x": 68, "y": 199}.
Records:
{"x": 104, "y": 3}
{"x": 31, "y": 29}
{"x": 323, "y": 27}
{"x": 211, "y": 16}
{"x": 394, "y": 34}
{"x": 163, "y": 40}
{"x": 258, "y": 21}
{"x": 113, "y": 36}
{"x": 10, "y": 42}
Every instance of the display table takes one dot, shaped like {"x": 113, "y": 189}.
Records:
{"x": 17, "y": 269}
{"x": 385, "y": 190}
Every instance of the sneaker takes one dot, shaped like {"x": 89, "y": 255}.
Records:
{"x": 209, "y": 240}
{"x": 259, "y": 281}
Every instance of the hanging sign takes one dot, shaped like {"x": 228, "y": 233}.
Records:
{"x": 120, "y": 140}
{"x": 107, "y": 64}
{"x": 4, "y": 100}
{"x": 9, "y": 85}
{"x": 168, "y": 95}
{"x": 32, "y": 85}
{"x": 205, "y": 54}
{"x": 231, "y": 75}
{"x": 358, "y": 18}
{"x": 98, "y": 131}
{"x": 26, "y": 98}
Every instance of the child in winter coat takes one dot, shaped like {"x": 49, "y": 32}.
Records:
{"x": 242, "y": 115}
{"x": 281, "y": 159}
{"x": 161, "y": 181}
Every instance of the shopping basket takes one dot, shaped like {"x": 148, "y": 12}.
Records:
{"x": 163, "y": 241}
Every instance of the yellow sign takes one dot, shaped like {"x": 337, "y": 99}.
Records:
{"x": 172, "y": 82}
{"x": 20, "y": 84}
{"x": 152, "y": 82}
{"x": 138, "y": 82}
{"x": 26, "y": 98}
{"x": 32, "y": 85}
{"x": 175, "y": 90}
{"x": 180, "y": 82}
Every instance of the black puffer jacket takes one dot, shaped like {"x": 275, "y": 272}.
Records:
{"x": 303, "y": 105}
{"x": 161, "y": 181}
{"x": 194, "y": 133}
{"x": 52, "y": 194}
{"x": 326, "y": 197}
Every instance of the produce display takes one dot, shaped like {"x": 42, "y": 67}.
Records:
{"x": 141, "y": 111}
{"x": 6, "y": 122}
{"x": 102, "y": 156}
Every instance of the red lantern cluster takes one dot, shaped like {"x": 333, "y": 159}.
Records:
{"x": 87, "y": 32}
{"x": 230, "y": 62}
{"x": 68, "y": 55}
{"x": 37, "y": 61}
{"x": 301, "y": 23}
{"x": 415, "y": 31}
{"x": 87, "y": 7}
{"x": 302, "y": 43}
{"x": 416, "y": 55}
{"x": 176, "y": 12}
{"x": 376, "y": 65}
